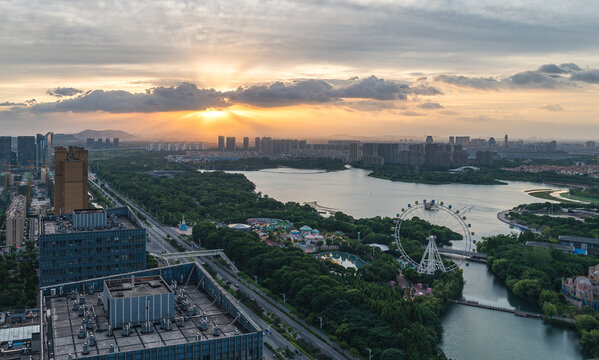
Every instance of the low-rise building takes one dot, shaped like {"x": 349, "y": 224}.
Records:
{"x": 177, "y": 312}
{"x": 581, "y": 245}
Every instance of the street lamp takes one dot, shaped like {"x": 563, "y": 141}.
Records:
{"x": 369, "y": 353}
{"x": 321, "y": 322}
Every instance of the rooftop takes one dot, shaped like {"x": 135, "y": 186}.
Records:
{"x": 66, "y": 323}
{"x": 62, "y": 328}
{"x": 579, "y": 239}
{"x": 140, "y": 286}
{"x": 564, "y": 248}
{"x": 118, "y": 219}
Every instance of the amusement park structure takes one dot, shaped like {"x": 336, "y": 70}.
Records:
{"x": 431, "y": 261}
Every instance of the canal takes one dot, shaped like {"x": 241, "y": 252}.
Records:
{"x": 470, "y": 333}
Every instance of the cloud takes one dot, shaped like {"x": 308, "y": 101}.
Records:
{"x": 411, "y": 113}
{"x": 532, "y": 79}
{"x": 281, "y": 94}
{"x": 8, "y": 103}
{"x": 185, "y": 96}
{"x": 483, "y": 83}
{"x": 548, "y": 76}
{"x": 570, "y": 67}
{"x": 449, "y": 112}
{"x": 552, "y": 107}
{"x": 551, "y": 69}
{"x": 374, "y": 88}
{"x": 64, "y": 91}
{"x": 589, "y": 76}
{"x": 313, "y": 91}
{"x": 430, "y": 105}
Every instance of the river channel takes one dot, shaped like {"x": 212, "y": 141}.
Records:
{"x": 470, "y": 333}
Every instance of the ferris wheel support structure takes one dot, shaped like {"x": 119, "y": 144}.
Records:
{"x": 431, "y": 260}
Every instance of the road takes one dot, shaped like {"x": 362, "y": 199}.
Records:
{"x": 156, "y": 233}
{"x": 259, "y": 296}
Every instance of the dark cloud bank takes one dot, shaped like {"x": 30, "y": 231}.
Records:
{"x": 548, "y": 76}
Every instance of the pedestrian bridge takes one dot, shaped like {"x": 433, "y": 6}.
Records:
{"x": 471, "y": 254}
{"x": 197, "y": 253}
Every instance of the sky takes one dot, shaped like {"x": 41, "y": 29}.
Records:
{"x": 376, "y": 69}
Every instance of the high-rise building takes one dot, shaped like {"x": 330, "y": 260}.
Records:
{"x": 85, "y": 244}
{"x": 230, "y": 146}
{"x": 246, "y": 143}
{"x": 462, "y": 140}
{"x": 452, "y": 140}
{"x": 26, "y": 150}
{"x": 5, "y": 150}
{"x": 15, "y": 221}
{"x": 429, "y": 140}
{"x": 116, "y": 142}
{"x": 505, "y": 141}
{"x": 70, "y": 179}
{"x": 257, "y": 144}
{"x": 353, "y": 152}
{"x": 221, "y": 143}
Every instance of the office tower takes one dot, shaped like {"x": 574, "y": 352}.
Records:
{"x": 5, "y": 144}
{"x": 221, "y": 143}
{"x": 246, "y": 143}
{"x": 26, "y": 150}
{"x": 429, "y": 140}
{"x": 15, "y": 221}
{"x": 257, "y": 144}
{"x": 70, "y": 179}
{"x": 230, "y": 146}
{"x": 505, "y": 141}
{"x": 50, "y": 144}
{"x": 85, "y": 244}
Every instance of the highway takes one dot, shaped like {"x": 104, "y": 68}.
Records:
{"x": 156, "y": 233}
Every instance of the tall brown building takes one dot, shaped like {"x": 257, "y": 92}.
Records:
{"x": 70, "y": 179}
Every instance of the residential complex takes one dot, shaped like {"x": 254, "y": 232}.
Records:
{"x": 15, "y": 220}
{"x": 85, "y": 244}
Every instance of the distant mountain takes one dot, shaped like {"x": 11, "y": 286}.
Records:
{"x": 81, "y": 137}
{"x": 122, "y": 135}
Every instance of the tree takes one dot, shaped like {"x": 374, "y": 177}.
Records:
{"x": 585, "y": 323}
{"x": 392, "y": 354}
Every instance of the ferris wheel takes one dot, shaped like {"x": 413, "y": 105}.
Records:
{"x": 440, "y": 215}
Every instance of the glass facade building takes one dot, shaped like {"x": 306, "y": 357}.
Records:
{"x": 69, "y": 253}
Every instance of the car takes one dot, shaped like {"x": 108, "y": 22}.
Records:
{"x": 298, "y": 352}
